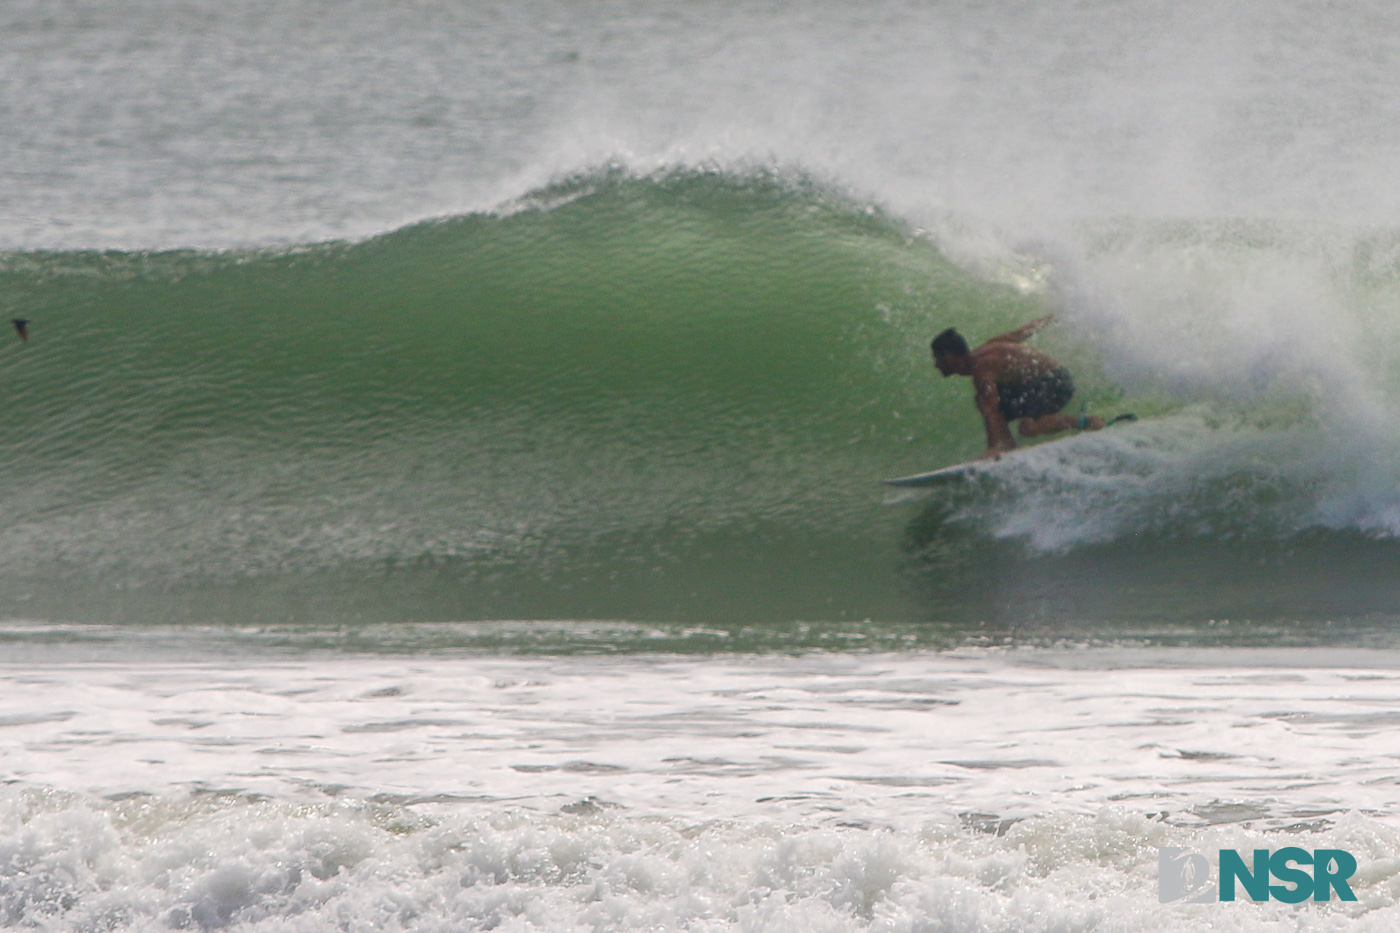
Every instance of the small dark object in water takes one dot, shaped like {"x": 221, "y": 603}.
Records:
{"x": 21, "y": 327}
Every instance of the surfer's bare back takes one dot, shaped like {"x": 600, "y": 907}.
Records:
{"x": 1013, "y": 382}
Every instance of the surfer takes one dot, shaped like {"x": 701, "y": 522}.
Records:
{"x": 21, "y": 328}
{"x": 1012, "y": 382}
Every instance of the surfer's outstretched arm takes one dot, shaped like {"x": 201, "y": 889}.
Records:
{"x": 1023, "y": 332}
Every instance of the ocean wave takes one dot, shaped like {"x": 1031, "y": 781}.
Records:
{"x": 659, "y": 396}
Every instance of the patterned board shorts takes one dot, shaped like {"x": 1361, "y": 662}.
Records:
{"x": 1034, "y": 398}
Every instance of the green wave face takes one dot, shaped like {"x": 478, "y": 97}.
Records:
{"x": 658, "y": 398}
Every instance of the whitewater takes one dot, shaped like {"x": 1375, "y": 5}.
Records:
{"x": 443, "y": 472}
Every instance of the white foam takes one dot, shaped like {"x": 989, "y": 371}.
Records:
{"x": 978, "y": 791}
{"x": 86, "y": 865}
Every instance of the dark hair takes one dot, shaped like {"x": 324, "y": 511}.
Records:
{"x": 950, "y": 343}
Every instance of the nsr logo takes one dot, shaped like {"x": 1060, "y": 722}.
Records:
{"x": 1184, "y": 876}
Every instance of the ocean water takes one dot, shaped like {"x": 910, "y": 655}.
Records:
{"x": 443, "y": 471}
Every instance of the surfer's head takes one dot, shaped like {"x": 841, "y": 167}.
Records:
{"x": 951, "y": 353}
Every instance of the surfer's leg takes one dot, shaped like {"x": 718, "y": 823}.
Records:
{"x": 1041, "y": 403}
{"x": 1053, "y": 424}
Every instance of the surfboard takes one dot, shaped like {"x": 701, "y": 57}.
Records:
{"x": 934, "y": 477}
{"x": 973, "y": 467}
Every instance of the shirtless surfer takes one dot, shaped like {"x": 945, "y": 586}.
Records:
{"x": 1013, "y": 382}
